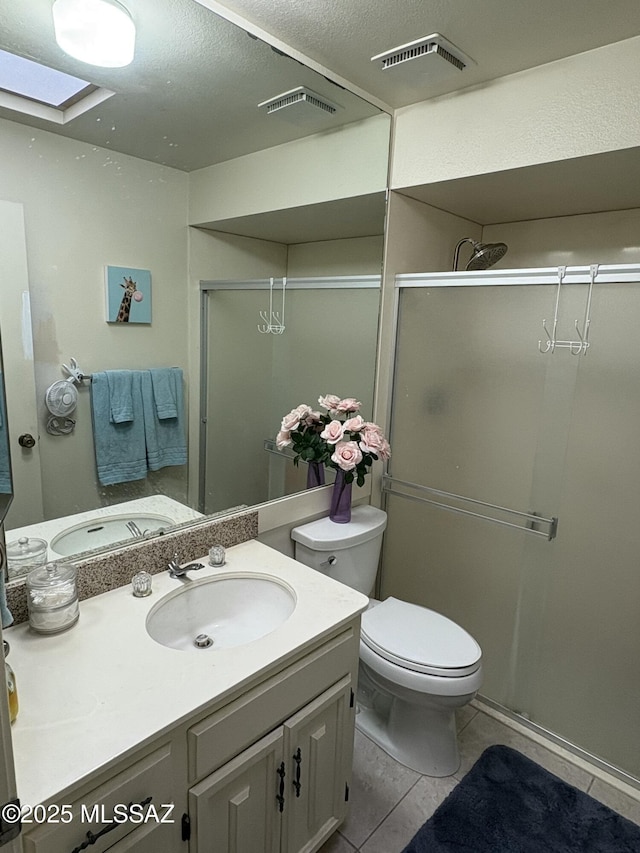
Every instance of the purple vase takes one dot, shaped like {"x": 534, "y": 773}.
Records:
{"x": 340, "y": 509}
{"x": 315, "y": 475}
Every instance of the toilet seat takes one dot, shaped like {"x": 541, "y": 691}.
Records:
{"x": 419, "y": 639}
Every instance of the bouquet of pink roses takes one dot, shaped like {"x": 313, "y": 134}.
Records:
{"x": 339, "y": 438}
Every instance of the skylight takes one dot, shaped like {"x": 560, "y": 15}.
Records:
{"x": 41, "y": 92}
{"x": 31, "y": 80}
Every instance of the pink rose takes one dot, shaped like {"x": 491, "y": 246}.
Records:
{"x": 303, "y": 411}
{"x": 347, "y": 455}
{"x": 290, "y": 421}
{"x": 283, "y": 439}
{"x": 385, "y": 450}
{"x": 329, "y": 401}
{"x": 349, "y": 404}
{"x": 333, "y": 432}
{"x": 354, "y": 424}
{"x": 372, "y": 440}
{"x": 312, "y": 418}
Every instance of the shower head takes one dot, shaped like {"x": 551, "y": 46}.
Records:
{"x": 484, "y": 255}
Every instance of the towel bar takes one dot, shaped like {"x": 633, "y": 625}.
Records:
{"x": 532, "y": 520}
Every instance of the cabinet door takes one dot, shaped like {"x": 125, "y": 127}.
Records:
{"x": 235, "y": 809}
{"x": 318, "y": 749}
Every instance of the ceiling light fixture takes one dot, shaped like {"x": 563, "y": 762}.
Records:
{"x": 98, "y": 32}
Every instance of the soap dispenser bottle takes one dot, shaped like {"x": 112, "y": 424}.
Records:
{"x": 12, "y": 688}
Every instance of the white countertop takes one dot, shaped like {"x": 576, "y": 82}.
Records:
{"x": 102, "y": 688}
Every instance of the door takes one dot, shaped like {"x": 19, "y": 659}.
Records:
{"x": 17, "y": 346}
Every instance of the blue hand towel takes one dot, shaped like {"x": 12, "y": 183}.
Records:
{"x": 5, "y": 614}
{"x": 120, "y": 395}
{"x": 119, "y": 447}
{"x": 164, "y": 392}
{"x": 166, "y": 440}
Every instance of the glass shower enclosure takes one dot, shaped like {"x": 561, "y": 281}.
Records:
{"x": 267, "y": 347}
{"x": 514, "y": 488}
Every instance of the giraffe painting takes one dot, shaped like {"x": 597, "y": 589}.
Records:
{"x": 130, "y": 288}
{"x": 128, "y": 295}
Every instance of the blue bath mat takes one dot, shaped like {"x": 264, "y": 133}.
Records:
{"x": 509, "y": 804}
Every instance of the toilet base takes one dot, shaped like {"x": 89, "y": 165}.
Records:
{"x": 423, "y": 739}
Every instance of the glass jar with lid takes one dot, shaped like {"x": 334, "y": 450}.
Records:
{"x": 52, "y": 598}
{"x": 25, "y": 554}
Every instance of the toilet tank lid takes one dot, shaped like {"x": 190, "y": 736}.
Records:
{"x": 366, "y": 523}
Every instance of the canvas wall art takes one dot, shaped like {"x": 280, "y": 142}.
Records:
{"x": 128, "y": 295}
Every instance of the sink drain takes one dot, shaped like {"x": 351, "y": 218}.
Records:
{"x": 203, "y": 641}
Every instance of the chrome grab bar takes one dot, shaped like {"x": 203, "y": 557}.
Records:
{"x": 532, "y": 519}
{"x": 271, "y": 447}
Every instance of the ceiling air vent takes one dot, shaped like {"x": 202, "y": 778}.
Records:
{"x": 299, "y": 103}
{"x": 432, "y": 55}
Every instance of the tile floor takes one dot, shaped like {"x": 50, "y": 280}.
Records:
{"x": 389, "y": 802}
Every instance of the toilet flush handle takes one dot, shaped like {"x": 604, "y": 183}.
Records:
{"x": 331, "y": 561}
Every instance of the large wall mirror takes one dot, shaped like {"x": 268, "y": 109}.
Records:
{"x": 167, "y": 175}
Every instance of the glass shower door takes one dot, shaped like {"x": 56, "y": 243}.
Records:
{"x": 586, "y": 681}
{"x": 468, "y": 391}
{"x": 480, "y": 412}
{"x": 254, "y": 378}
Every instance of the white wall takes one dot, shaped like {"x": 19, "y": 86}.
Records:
{"x": 612, "y": 237}
{"x": 349, "y": 161}
{"x": 355, "y": 256}
{"x": 574, "y": 107}
{"x": 84, "y": 208}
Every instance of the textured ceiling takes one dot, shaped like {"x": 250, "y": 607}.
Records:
{"x": 190, "y": 97}
{"x": 501, "y": 36}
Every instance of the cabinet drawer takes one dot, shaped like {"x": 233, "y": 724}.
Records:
{"x": 150, "y": 776}
{"x": 228, "y": 731}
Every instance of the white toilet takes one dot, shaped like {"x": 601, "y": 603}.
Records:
{"x": 416, "y": 666}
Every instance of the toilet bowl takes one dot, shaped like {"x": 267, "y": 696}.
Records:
{"x": 417, "y": 667}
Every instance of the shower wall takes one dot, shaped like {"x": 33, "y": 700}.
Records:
{"x": 479, "y": 411}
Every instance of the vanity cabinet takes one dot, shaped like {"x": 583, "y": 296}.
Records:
{"x": 287, "y": 792}
{"x": 272, "y": 769}
{"x": 264, "y": 769}
{"x": 155, "y": 777}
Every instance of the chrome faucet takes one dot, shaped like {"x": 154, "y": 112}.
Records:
{"x": 134, "y": 530}
{"x": 177, "y": 571}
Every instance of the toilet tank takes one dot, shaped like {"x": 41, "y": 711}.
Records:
{"x": 348, "y": 553}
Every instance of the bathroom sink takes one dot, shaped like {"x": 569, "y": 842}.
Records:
{"x": 105, "y": 530}
{"x": 220, "y": 612}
